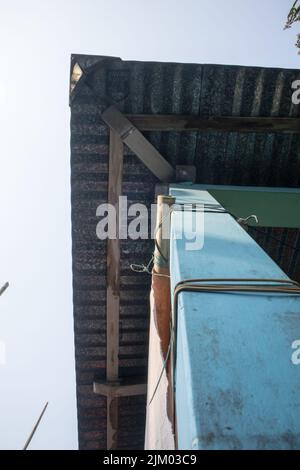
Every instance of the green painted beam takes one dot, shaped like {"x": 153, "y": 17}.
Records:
{"x": 274, "y": 207}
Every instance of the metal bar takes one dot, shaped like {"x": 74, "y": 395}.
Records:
{"x": 35, "y": 428}
{"x": 112, "y": 407}
{"x": 3, "y": 288}
{"x": 165, "y": 122}
{"x": 133, "y": 138}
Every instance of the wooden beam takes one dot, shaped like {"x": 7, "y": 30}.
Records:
{"x": 133, "y": 138}
{"x": 113, "y": 258}
{"x": 112, "y": 407}
{"x": 119, "y": 389}
{"x": 173, "y": 122}
{"x": 113, "y": 286}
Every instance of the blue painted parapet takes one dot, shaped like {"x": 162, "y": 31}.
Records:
{"x": 237, "y": 375}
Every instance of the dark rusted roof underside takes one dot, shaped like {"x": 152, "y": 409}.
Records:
{"x": 220, "y": 158}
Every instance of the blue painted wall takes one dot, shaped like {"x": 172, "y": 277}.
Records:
{"x": 236, "y": 386}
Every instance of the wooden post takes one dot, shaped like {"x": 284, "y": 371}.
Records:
{"x": 162, "y": 237}
{"x": 114, "y": 387}
{"x": 113, "y": 287}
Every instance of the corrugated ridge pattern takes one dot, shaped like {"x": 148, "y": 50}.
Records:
{"x": 229, "y": 158}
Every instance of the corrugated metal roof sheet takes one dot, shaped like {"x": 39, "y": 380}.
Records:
{"x": 220, "y": 158}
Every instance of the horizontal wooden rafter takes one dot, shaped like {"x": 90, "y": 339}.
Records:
{"x": 173, "y": 122}
{"x": 120, "y": 389}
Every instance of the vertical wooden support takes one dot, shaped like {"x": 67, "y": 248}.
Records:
{"x": 162, "y": 235}
{"x": 113, "y": 286}
{"x": 159, "y": 420}
{"x": 161, "y": 283}
{"x": 112, "y": 407}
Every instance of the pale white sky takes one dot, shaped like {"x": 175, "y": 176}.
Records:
{"x": 36, "y": 40}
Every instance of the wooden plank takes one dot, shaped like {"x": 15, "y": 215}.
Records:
{"x": 165, "y": 122}
{"x": 133, "y": 138}
{"x": 113, "y": 286}
{"x": 113, "y": 258}
{"x": 131, "y": 390}
{"x": 120, "y": 390}
{"x": 112, "y": 407}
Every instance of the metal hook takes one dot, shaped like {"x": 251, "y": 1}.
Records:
{"x": 244, "y": 221}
